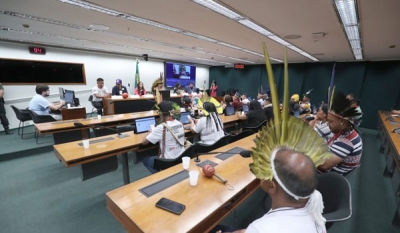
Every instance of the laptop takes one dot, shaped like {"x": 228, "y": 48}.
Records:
{"x": 143, "y": 124}
{"x": 184, "y": 118}
{"x": 229, "y": 110}
{"x": 245, "y": 108}
{"x": 165, "y": 94}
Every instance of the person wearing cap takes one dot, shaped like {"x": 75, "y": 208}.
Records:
{"x": 99, "y": 92}
{"x": 119, "y": 89}
{"x": 3, "y": 117}
{"x": 345, "y": 144}
{"x": 157, "y": 85}
{"x": 170, "y": 148}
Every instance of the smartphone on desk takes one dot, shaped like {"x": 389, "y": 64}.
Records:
{"x": 170, "y": 205}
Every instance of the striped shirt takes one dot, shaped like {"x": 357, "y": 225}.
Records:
{"x": 348, "y": 147}
{"x": 323, "y": 129}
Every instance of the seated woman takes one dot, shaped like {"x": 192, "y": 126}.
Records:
{"x": 177, "y": 89}
{"x": 226, "y": 101}
{"x": 139, "y": 90}
{"x": 254, "y": 116}
{"x": 210, "y": 127}
{"x": 320, "y": 123}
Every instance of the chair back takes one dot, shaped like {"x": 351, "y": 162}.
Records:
{"x": 256, "y": 128}
{"x": 22, "y": 115}
{"x": 40, "y": 118}
{"x": 241, "y": 135}
{"x": 163, "y": 163}
{"x": 203, "y": 148}
{"x": 336, "y": 194}
{"x": 90, "y": 98}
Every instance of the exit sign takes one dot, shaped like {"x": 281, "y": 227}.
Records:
{"x": 239, "y": 66}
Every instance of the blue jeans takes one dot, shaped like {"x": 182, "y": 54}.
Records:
{"x": 148, "y": 162}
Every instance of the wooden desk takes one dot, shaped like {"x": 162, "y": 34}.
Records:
{"x": 72, "y": 154}
{"x": 119, "y": 106}
{"x": 206, "y": 204}
{"x": 73, "y": 113}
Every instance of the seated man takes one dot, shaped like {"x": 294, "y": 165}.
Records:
{"x": 119, "y": 89}
{"x": 42, "y": 106}
{"x": 305, "y": 105}
{"x": 236, "y": 103}
{"x": 170, "y": 148}
{"x": 190, "y": 89}
{"x": 269, "y": 113}
{"x": 99, "y": 92}
{"x": 245, "y": 100}
{"x": 357, "y": 119}
{"x": 346, "y": 144}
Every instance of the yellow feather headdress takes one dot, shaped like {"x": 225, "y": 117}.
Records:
{"x": 284, "y": 132}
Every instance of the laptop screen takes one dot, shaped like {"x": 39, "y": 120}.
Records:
{"x": 143, "y": 124}
{"x": 245, "y": 107}
{"x": 229, "y": 110}
{"x": 184, "y": 117}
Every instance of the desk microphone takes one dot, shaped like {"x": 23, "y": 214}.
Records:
{"x": 97, "y": 127}
{"x": 244, "y": 154}
{"x": 394, "y": 131}
{"x": 129, "y": 85}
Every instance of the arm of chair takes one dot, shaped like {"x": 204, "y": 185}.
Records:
{"x": 338, "y": 215}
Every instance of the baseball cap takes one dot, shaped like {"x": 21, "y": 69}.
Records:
{"x": 119, "y": 81}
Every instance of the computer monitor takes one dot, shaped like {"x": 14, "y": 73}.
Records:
{"x": 184, "y": 117}
{"x": 61, "y": 92}
{"x": 69, "y": 97}
{"x": 165, "y": 94}
{"x": 143, "y": 124}
{"x": 229, "y": 110}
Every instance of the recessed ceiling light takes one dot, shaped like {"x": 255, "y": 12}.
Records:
{"x": 99, "y": 27}
{"x": 292, "y": 37}
{"x": 25, "y": 25}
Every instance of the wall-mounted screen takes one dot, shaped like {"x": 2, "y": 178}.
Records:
{"x": 179, "y": 73}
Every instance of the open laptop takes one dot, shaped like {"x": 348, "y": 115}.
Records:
{"x": 245, "y": 108}
{"x": 142, "y": 125}
{"x": 229, "y": 110}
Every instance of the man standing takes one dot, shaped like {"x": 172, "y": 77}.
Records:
{"x": 3, "y": 117}
{"x": 190, "y": 89}
{"x": 119, "y": 89}
{"x": 99, "y": 92}
{"x": 41, "y": 106}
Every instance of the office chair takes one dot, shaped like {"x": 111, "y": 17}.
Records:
{"x": 163, "y": 163}
{"x": 37, "y": 119}
{"x": 257, "y": 128}
{"x": 94, "y": 109}
{"x": 352, "y": 171}
{"x": 336, "y": 194}
{"x": 22, "y": 115}
{"x": 204, "y": 148}
{"x": 241, "y": 135}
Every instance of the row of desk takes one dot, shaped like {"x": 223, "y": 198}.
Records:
{"x": 389, "y": 133}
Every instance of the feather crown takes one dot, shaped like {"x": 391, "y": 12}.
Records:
{"x": 341, "y": 107}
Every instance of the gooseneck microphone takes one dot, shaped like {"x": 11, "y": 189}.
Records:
{"x": 130, "y": 91}
{"x": 244, "y": 154}
{"x": 97, "y": 127}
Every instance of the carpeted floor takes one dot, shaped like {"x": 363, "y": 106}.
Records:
{"x": 39, "y": 194}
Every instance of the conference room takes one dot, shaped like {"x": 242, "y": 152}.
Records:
{"x": 69, "y": 44}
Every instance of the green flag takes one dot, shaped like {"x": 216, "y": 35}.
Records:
{"x": 137, "y": 76}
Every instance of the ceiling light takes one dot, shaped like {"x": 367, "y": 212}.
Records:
{"x": 99, "y": 27}
{"x": 347, "y": 12}
{"x": 255, "y": 27}
{"x": 219, "y": 9}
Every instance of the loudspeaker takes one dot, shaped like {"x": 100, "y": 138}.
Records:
{"x": 146, "y": 57}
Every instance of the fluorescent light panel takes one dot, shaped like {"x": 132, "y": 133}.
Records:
{"x": 348, "y": 15}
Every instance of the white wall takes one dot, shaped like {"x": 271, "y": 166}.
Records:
{"x": 109, "y": 67}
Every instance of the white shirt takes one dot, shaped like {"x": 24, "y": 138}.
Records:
{"x": 246, "y": 101}
{"x": 99, "y": 91}
{"x": 172, "y": 148}
{"x": 285, "y": 220}
{"x": 261, "y": 101}
{"x": 40, "y": 105}
{"x": 208, "y": 133}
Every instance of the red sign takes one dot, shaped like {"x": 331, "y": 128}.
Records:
{"x": 37, "y": 50}
{"x": 239, "y": 66}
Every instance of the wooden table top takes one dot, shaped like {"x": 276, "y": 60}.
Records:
{"x": 72, "y": 154}
{"x": 138, "y": 213}
{"x": 394, "y": 137}
{"x": 110, "y": 120}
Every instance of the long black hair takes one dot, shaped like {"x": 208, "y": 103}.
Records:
{"x": 257, "y": 113}
{"x": 212, "y": 115}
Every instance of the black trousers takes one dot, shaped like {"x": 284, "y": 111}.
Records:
{"x": 99, "y": 106}
{"x": 3, "y": 118}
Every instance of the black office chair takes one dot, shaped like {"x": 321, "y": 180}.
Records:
{"x": 22, "y": 115}
{"x": 241, "y": 135}
{"x": 37, "y": 119}
{"x": 204, "y": 148}
{"x": 257, "y": 128}
{"x": 336, "y": 193}
{"x": 352, "y": 171}
{"x": 94, "y": 109}
{"x": 163, "y": 163}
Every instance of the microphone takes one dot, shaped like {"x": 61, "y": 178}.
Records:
{"x": 394, "y": 130}
{"x": 97, "y": 127}
{"x": 246, "y": 153}
{"x": 129, "y": 85}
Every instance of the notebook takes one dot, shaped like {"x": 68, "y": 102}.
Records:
{"x": 184, "y": 118}
{"x": 143, "y": 124}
